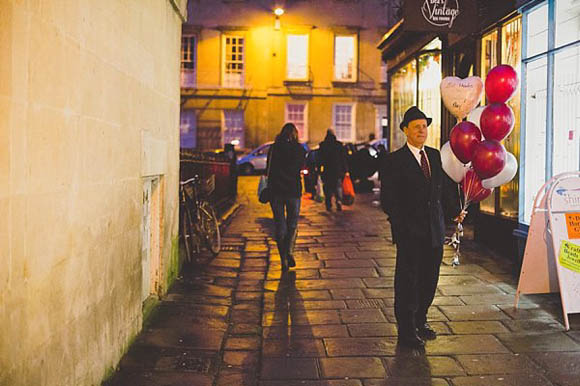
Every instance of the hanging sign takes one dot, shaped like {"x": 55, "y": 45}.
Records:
{"x": 459, "y": 16}
{"x": 551, "y": 260}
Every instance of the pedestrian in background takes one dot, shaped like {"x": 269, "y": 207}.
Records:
{"x": 413, "y": 196}
{"x": 285, "y": 160}
{"x": 333, "y": 169}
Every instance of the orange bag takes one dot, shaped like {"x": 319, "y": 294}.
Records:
{"x": 347, "y": 191}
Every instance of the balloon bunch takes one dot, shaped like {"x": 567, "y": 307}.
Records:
{"x": 474, "y": 156}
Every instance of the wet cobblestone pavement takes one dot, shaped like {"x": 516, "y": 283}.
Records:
{"x": 234, "y": 320}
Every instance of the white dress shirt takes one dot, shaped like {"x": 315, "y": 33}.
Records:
{"x": 417, "y": 154}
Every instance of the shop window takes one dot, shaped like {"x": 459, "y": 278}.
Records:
{"x": 537, "y": 36}
{"x": 188, "y": 129}
{"x": 233, "y": 61}
{"x": 188, "y": 61}
{"x": 566, "y": 153}
{"x": 511, "y": 48}
{"x": 345, "y": 58}
{"x": 403, "y": 96}
{"x": 567, "y": 22}
{"x": 343, "y": 121}
{"x": 233, "y": 127}
{"x": 429, "y": 98}
{"x": 297, "y": 57}
{"x": 297, "y": 113}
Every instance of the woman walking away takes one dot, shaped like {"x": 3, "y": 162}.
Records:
{"x": 285, "y": 159}
{"x": 334, "y": 168}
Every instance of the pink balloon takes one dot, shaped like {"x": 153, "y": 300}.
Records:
{"x": 489, "y": 158}
{"x": 501, "y": 84}
{"x": 473, "y": 191}
{"x": 497, "y": 121}
{"x": 463, "y": 139}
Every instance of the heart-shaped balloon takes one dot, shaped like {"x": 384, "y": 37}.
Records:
{"x": 463, "y": 139}
{"x": 460, "y": 96}
{"x": 489, "y": 158}
{"x": 497, "y": 121}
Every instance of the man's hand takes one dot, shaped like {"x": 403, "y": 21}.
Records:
{"x": 461, "y": 217}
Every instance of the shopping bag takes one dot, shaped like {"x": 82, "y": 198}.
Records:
{"x": 347, "y": 191}
{"x": 319, "y": 195}
{"x": 263, "y": 190}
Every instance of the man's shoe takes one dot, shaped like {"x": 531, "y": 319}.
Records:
{"x": 339, "y": 207}
{"x": 291, "y": 261}
{"x": 426, "y": 332}
{"x": 411, "y": 341}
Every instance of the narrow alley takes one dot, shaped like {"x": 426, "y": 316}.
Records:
{"x": 235, "y": 320}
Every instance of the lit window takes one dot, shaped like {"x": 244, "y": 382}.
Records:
{"x": 188, "y": 61}
{"x": 345, "y": 66}
{"x": 343, "y": 118}
{"x": 233, "y": 70}
{"x": 233, "y": 127}
{"x": 297, "y": 113}
{"x": 297, "y": 57}
{"x": 188, "y": 129}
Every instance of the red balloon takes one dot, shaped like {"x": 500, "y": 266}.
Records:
{"x": 472, "y": 189}
{"x": 463, "y": 139}
{"x": 489, "y": 158}
{"x": 497, "y": 121}
{"x": 501, "y": 84}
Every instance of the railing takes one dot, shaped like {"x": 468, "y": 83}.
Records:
{"x": 214, "y": 166}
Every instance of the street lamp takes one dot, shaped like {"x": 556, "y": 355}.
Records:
{"x": 278, "y": 12}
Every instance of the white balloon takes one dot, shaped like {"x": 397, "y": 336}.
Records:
{"x": 475, "y": 115}
{"x": 460, "y": 96}
{"x": 452, "y": 165}
{"x": 506, "y": 175}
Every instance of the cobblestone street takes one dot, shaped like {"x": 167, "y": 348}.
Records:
{"x": 330, "y": 321}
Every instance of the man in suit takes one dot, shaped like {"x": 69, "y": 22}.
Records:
{"x": 412, "y": 195}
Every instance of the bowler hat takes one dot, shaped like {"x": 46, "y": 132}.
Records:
{"x": 412, "y": 114}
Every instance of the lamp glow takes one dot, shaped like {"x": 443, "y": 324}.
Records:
{"x": 278, "y": 11}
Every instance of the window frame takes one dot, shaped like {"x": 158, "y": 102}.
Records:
{"x": 191, "y": 72}
{"x": 224, "y": 61}
{"x": 352, "y": 106}
{"x": 307, "y": 64}
{"x": 305, "y": 136}
{"x": 224, "y": 126}
{"x": 355, "y": 58}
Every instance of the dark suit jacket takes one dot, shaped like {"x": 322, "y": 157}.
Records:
{"x": 417, "y": 208}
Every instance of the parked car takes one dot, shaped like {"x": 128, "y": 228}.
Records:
{"x": 255, "y": 161}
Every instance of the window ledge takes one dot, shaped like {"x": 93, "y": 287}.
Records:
{"x": 345, "y": 83}
{"x": 291, "y": 82}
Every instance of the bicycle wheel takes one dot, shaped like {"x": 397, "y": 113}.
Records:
{"x": 187, "y": 233}
{"x": 210, "y": 227}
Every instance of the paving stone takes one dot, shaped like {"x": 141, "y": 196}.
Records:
{"x": 338, "y": 382}
{"x": 300, "y": 318}
{"x": 365, "y": 255}
{"x": 289, "y": 368}
{"x": 196, "y": 338}
{"x": 372, "y": 329}
{"x": 365, "y": 303}
{"x": 414, "y": 381}
{"x": 447, "y": 301}
{"x": 269, "y": 297}
{"x": 465, "y": 344}
{"x": 243, "y": 343}
{"x": 246, "y": 329}
{"x": 386, "y": 262}
{"x": 359, "y": 263}
{"x": 375, "y": 293}
{"x": 249, "y": 295}
{"x": 539, "y": 342}
{"x": 456, "y": 290}
{"x": 497, "y": 364}
{"x": 478, "y": 327}
{"x": 229, "y": 377}
{"x": 348, "y": 272}
{"x": 242, "y": 359}
{"x": 331, "y": 256}
{"x": 381, "y": 282}
{"x": 160, "y": 378}
{"x": 561, "y": 367}
{"x": 386, "y": 271}
{"x": 459, "y": 280}
{"x": 529, "y": 311}
{"x": 417, "y": 365}
{"x": 352, "y": 368}
{"x": 227, "y": 263}
{"x": 534, "y": 325}
{"x": 462, "y": 269}
{"x": 340, "y": 347}
{"x": 507, "y": 380}
{"x": 300, "y": 274}
{"x": 295, "y": 347}
{"x": 316, "y": 331}
{"x": 347, "y": 293}
{"x": 478, "y": 312}
{"x": 362, "y": 316}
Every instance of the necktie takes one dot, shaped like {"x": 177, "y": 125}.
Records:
{"x": 425, "y": 165}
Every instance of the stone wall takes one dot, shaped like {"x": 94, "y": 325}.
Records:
{"x": 89, "y": 110}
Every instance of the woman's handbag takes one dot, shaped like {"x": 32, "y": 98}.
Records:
{"x": 347, "y": 191}
{"x": 264, "y": 191}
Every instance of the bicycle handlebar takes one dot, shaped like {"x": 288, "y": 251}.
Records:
{"x": 191, "y": 180}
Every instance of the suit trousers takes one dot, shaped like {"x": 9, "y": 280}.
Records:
{"x": 416, "y": 277}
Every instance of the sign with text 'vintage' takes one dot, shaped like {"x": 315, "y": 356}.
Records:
{"x": 458, "y": 16}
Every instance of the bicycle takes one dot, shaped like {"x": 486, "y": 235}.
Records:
{"x": 198, "y": 221}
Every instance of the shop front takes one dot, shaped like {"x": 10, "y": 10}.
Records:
{"x": 550, "y": 114}
{"x": 483, "y": 35}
